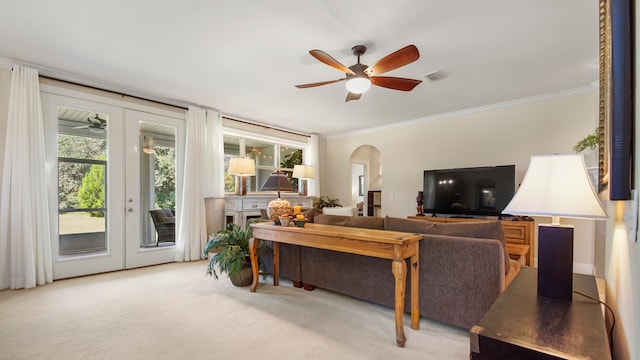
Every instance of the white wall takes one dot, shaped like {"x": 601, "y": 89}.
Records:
{"x": 500, "y": 135}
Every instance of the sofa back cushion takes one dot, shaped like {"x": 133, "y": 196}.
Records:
{"x": 366, "y": 222}
{"x": 473, "y": 229}
{"x": 408, "y": 225}
{"x": 477, "y": 229}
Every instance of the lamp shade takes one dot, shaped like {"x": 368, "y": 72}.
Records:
{"x": 558, "y": 186}
{"x": 242, "y": 166}
{"x": 303, "y": 172}
{"x": 277, "y": 181}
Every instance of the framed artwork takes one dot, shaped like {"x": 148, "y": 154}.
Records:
{"x": 615, "y": 149}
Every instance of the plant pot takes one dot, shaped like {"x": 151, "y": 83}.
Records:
{"x": 244, "y": 277}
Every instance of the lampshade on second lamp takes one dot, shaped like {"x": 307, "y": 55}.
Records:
{"x": 302, "y": 172}
{"x": 556, "y": 186}
{"x": 242, "y": 167}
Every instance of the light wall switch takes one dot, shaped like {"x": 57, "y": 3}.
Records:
{"x": 630, "y": 216}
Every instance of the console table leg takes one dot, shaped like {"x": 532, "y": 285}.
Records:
{"x": 415, "y": 292}
{"x": 253, "y": 255}
{"x": 276, "y": 263}
{"x": 399, "y": 268}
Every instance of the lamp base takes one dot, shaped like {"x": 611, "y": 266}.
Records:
{"x": 555, "y": 261}
{"x": 241, "y": 185}
{"x": 302, "y": 187}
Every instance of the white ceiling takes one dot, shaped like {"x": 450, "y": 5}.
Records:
{"x": 244, "y": 57}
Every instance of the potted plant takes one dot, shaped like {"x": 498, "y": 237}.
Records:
{"x": 590, "y": 142}
{"x": 325, "y": 201}
{"x": 233, "y": 255}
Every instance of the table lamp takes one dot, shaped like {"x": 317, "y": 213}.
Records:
{"x": 241, "y": 168}
{"x": 556, "y": 186}
{"x": 302, "y": 172}
{"x": 277, "y": 181}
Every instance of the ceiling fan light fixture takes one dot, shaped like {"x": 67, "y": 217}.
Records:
{"x": 358, "y": 84}
{"x": 96, "y": 130}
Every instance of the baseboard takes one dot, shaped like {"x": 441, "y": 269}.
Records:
{"x": 587, "y": 269}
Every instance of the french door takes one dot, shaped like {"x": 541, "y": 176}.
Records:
{"x": 155, "y": 146}
{"x": 104, "y": 184}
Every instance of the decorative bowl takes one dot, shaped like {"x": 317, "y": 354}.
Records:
{"x": 285, "y": 220}
{"x": 300, "y": 223}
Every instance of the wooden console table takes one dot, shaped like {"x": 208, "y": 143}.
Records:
{"x": 522, "y": 325}
{"x": 396, "y": 246}
{"x": 515, "y": 232}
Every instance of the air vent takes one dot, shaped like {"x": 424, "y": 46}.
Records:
{"x": 434, "y": 75}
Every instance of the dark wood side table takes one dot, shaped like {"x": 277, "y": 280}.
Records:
{"x": 521, "y": 325}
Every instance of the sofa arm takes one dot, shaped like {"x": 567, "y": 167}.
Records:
{"x": 460, "y": 277}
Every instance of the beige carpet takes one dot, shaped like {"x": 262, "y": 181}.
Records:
{"x": 174, "y": 311}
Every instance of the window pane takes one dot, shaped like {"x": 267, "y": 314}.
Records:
{"x": 289, "y": 157}
{"x": 262, "y": 152}
{"x": 231, "y": 150}
{"x": 268, "y": 156}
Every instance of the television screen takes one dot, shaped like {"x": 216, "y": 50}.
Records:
{"x": 468, "y": 191}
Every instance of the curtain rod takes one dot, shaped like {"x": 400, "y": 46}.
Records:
{"x": 114, "y": 92}
{"x": 165, "y": 103}
{"x": 265, "y": 126}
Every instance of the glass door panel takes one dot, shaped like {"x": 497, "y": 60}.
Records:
{"x": 153, "y": 147}
{"x": 84, "y": 142}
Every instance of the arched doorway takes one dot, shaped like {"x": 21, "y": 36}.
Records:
{"x": 366, "y": 180}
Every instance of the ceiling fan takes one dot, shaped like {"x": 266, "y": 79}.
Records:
{"x": 360, "y": 77}
{"x": 96, "y": 124}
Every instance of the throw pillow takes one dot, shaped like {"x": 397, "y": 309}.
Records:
{"x": 344, "y": 211}
{"x": 310, "y": 214}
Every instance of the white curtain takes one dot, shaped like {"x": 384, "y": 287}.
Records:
{"x": 204, "y": 164}
{"x": 25, "y": 247}
{"x": 313, "y": 159}
{"x": 215, "y": 153}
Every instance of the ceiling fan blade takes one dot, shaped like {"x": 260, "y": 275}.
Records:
{"x": 327, "y": 59}
{"x": 304, "y": 86}
{"x": 353, "y": 96}
{"x": 402, "y": 57}
{"x": 395, "y": 83}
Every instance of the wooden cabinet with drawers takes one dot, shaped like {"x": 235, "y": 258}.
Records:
{"x": 515, "y": 232}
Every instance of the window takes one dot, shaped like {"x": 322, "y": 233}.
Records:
{"x": 269, "y": 155}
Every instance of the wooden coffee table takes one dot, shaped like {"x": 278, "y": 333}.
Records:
{"x": 396, "y": 246}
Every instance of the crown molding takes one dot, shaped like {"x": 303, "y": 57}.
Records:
{"x": 504, "y": 104}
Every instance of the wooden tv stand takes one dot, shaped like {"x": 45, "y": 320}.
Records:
{"x": 515, "y": 232}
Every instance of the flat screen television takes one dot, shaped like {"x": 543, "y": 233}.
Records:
{"x": 468, "y": 191}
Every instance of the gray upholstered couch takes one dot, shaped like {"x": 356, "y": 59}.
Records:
{"x": 463, "y": 267}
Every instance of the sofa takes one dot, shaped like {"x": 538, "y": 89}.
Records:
{"x": 463, "y": 267}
